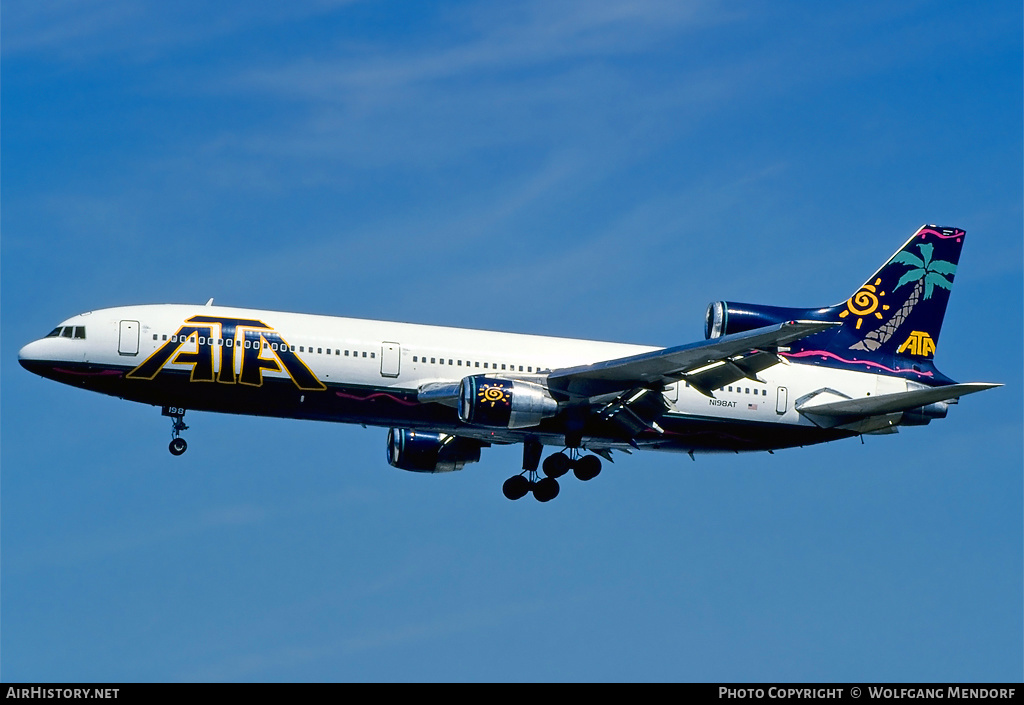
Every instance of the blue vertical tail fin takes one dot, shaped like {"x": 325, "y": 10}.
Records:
{"x": 898, "y": 311}
{"x": 891, "y": 324}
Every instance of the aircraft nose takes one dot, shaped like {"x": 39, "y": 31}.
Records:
{"x": 31, "y": 353}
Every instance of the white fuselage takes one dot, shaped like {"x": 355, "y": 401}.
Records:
{"x": 343, "y": 353}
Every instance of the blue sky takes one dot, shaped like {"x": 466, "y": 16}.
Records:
{"x": 588, "y": 169}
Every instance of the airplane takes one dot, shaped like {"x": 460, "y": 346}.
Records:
{"x": 764, "y": 378}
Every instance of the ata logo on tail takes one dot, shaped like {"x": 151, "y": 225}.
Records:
{"x": 919, "y": 343}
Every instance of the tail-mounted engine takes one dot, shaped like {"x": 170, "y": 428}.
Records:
{"x": 504, "y": 403}
{"x": 420, "y": 451}
{"x": 725, "y": 317}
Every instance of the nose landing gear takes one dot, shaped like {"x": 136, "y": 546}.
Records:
{"x": 177, "y": 445}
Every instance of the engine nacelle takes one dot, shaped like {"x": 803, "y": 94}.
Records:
{"x": 504, "y": 403}
{"x": 420, "y": 451}
{"x": 922, "y": 415}
{"x": 725, "y": 317}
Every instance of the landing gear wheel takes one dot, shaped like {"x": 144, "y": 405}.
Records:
{"x": 556, "y": 465}
{"x": 178, "y": 446}
{"x": 177, "y": 414}
{"x": 515, "y": 487}
{"x": 587, "y": 468}
{"x": 545, "y": 490}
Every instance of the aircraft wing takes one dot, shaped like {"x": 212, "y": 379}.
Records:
{"x": 705, "y": 365}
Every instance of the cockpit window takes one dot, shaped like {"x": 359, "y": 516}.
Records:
{"x": 77, "y": 332}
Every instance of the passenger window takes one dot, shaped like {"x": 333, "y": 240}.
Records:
{"x": 320, "y": 351}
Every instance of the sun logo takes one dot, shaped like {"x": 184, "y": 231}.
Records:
{"x": 865, "y": 303}
{"x": 493, "y": 395}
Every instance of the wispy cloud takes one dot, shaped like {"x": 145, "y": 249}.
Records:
{"x": 83, "y": 30}
{"x": 87, "y": 548}
{"x": 334, "y": 654}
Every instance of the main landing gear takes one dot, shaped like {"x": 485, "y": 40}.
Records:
{"x": 584, "y": 467}
{"x": 177, "y": 414}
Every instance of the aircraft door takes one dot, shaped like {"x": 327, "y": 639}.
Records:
{"x": 390, "y": 359}
{"x": 782, "y": 401}
{"x": 128, "y": 339}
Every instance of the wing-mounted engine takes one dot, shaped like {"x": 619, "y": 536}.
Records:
{"x": 727, "y": 317}
{"x": 504, "y": 403}
{"x": 420, "y": 451}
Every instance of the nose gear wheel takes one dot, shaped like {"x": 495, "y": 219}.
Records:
{"x": 177, "y": 445}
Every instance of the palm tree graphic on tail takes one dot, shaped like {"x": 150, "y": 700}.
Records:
{"x": 927, "y": 274}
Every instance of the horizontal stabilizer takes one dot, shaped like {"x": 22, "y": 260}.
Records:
{"x": 891, "y": 403}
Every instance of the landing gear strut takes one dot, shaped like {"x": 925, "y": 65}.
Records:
{"x": 177, "y": 414}
{"x": 584, "y": 467}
